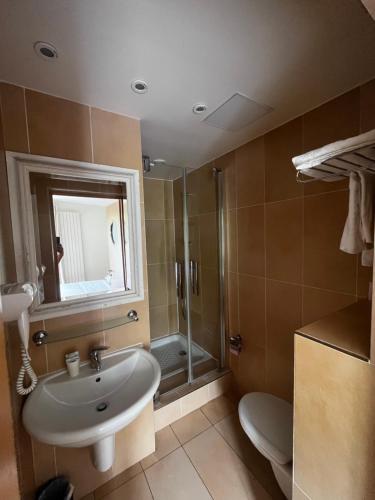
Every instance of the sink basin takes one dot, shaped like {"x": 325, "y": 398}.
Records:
{"x": 90, "y": 408}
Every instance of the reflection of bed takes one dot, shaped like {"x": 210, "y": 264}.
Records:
{"x": 68, "y": 290}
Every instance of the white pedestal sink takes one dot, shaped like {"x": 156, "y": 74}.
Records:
{"x": 90, "y": 408}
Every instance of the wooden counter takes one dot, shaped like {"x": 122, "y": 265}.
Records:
{"x": 347, "y": 330}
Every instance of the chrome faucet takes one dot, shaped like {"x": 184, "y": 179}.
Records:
{"x": 95, "y": 355}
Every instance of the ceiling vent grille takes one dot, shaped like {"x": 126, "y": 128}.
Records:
{"x": 237, "y": 112}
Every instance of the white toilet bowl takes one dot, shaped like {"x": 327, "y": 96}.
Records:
{"x": 268, "y": 422}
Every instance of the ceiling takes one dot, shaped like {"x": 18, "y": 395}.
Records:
{"x": 291, "y": 55}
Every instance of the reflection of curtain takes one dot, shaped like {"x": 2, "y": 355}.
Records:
{"x": 69, "y": 230}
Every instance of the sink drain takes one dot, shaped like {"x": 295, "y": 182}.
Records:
{"x": 182, "y": 353}
{"x": 102, "y": 406}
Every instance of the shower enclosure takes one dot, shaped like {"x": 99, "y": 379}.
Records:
{"x": 185, "y": 248}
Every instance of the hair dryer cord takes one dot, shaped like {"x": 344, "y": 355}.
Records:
{"x": 25, "y": 368}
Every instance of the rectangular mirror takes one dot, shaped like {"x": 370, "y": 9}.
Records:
{"x": 76, "y": 231}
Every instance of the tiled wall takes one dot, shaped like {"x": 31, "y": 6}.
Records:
{"x": 285, "y": 268}
{"x": 41, "y": 124}
{"x": 161, "y": 256}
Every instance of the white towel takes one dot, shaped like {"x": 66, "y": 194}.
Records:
{"x": 358, "y": 234}
{"x": 351, "y": 240}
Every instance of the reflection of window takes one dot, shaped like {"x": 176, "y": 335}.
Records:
{"x": 82, "y": 256}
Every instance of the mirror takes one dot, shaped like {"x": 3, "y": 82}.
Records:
{"x": 80, "y": 234}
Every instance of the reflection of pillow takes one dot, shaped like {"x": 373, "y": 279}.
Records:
{"x": 114, "y": 232}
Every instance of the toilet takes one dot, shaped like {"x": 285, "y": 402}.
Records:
{"x": 268, "y": 422}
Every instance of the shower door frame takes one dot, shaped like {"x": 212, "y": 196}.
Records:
{"x": 219, "y": 190}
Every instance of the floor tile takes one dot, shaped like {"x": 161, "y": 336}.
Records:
{"x": 218, "y": 408}
{"x": 174, "y": 478}
{"x": 220, "y": 468}
{"x": 231, "y": 430}
{"x": 166, "y": 442}
{"x": 117, "y": 481}
{"x": 135, "y": 489}
{"x": 190, "y": 426}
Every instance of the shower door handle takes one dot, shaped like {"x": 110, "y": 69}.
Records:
{"x": 191, "y": 273}
{"x": 196, "y": 277}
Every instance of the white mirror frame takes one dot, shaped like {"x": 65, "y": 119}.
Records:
{"x": 19, "y": 167}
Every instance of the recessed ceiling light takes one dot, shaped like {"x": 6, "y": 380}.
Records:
{"x": 199, "y": 108}
{"x": 139, "y": 86}
{"x": 45, "y": 50}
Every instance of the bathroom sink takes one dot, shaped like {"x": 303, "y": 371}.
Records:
{"x": 90, "y": 408}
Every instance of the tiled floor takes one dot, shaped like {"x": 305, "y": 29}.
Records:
{"x": 202, "y": 456}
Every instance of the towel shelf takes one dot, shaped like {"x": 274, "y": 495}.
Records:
{"x": 43, "y": 337}
{"x": 336, "y": 161}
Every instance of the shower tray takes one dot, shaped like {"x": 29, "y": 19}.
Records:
{"x": 171, "y": 353}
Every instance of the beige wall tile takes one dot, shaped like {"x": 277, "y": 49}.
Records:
{"x": 232, "y": 304}
{"x": 335, "y": 120}
{"x": 14, "y": 118}
{"x": 172, "y": 318}
{"x": 168, "y": 199}
{"x": 154, "y": 199}
{"x": 44, "y": 462}
{"x": 281, "y": 145}
{"x": 250, "y": 237}
{"x": 194, "y": 400}
{"x": 249, "y": 161}
{"x": 157, "y": 281}
{"x": 58, "y": 127}
{"x": 210, "y": 298}
{"x": 284, "y": 316}
{"x": 226, "y": 163}
{"x": 155, "y": 241}
{"x": 325, "y": 265}
{"x": 249, "y": 369}
{"x": 318, "y": 303}
{"x": 167, "y": 414}
{"x": 251, "y": 297}
{"x": 159, "y": 321}
{"x": 204, "y": 184}
{"x": 208, "y": 239}
{"x": 56, "y": 351}
{"x": 116, "y": 139}
{"x": 367, "y": 106}
{"x": 231, "y": 235}
{"x": 220, "y": 386}
{"x": 170, "y": 251}
{"x": 284, "y": 240}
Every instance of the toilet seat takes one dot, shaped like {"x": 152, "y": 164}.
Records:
{"x": 268, "y": 421}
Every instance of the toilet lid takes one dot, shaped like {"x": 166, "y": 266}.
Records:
{"x": 268, "y": 421}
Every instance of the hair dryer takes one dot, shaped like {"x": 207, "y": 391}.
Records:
{"x": 16, "y": 299}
